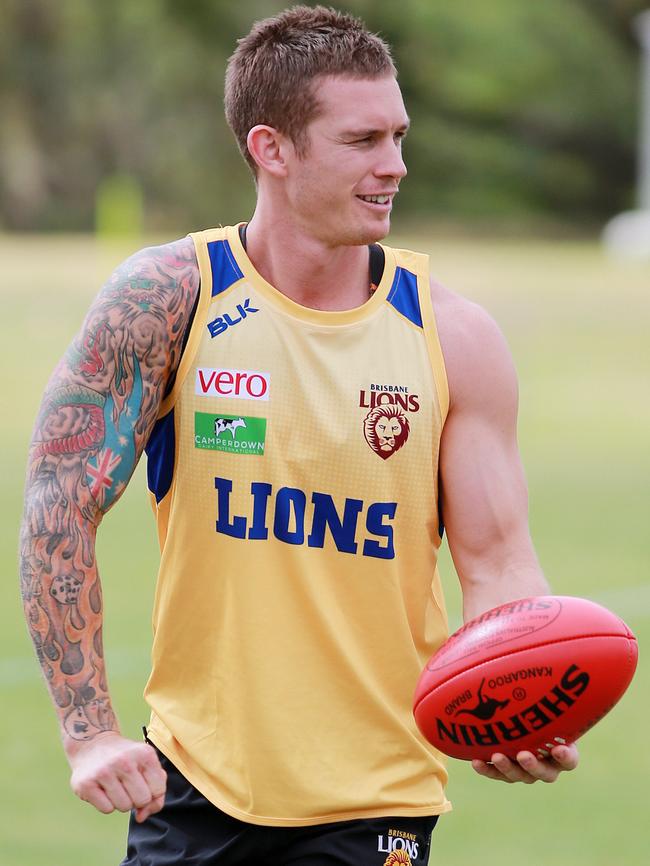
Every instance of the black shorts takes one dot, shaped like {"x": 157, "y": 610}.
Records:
{"x": 191, "y": 831}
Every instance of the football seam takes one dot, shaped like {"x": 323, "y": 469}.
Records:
{"x": 521, "y": 649}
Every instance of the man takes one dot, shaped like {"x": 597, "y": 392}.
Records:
{"x": 312, "y": 406}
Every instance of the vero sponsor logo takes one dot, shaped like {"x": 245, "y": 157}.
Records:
{"x": 242, "y": 384}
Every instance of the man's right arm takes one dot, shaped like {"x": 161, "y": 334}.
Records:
{"x": 95, "y": 419}
{"x": 484, "y": 494}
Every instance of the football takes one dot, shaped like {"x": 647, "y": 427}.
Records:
{"x": 526, "y": 675}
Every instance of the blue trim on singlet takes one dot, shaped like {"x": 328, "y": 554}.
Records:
{"x": 225, "y": 270}
{"x": 161, "y": 451}
{"x": 403, "y": 295}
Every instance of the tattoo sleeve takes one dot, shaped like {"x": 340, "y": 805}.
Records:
{"x": 95, "y": 418}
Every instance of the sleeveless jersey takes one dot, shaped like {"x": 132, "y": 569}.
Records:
{"x": 294, "y": 476}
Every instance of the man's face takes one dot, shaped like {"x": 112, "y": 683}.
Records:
{"x": 354, "y": 152}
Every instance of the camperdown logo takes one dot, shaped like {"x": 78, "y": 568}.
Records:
{"x": 232, "y": 434}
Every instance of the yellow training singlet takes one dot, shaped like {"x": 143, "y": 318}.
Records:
{"x": 294, "y": 473}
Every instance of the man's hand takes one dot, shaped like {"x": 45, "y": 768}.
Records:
{"x": 527, "y": 768}
{"x": 111, "y": 772}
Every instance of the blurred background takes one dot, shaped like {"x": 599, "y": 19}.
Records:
{"x": 521, "y": 111}
{"x": 523, "y": 144}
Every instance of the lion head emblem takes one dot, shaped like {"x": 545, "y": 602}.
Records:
{"x": 386, "y": 429}
{"x": 398, "y": 858}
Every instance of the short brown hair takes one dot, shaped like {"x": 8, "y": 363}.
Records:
{"x": 269, "y": 76}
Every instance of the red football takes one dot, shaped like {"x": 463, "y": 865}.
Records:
{"x": 526, "y": 675}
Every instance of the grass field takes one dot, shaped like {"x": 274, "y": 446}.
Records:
{"x": 578, "y": 328}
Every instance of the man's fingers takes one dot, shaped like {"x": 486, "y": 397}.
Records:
{"x": 139, "y": 792}
{"x": 96, "y": 796}
{"x": 502, "y": 769}
{"x": 116, "y": 773}
{"x": 511, "y": 771}
{"x": 147, "y": 787}
{"x": 116, "y": 792}
{"x": 154, "y": 775}
{"x": 483, "y": 768}
{"x": 527, "y": 768}
{"x": 150, "y": 809}
{"x": 142, "y": 778}
{"x": 537, "y": 769}
{"x": 566, "y": 756}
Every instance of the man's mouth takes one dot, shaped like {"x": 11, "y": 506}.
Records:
{"x": 375, "y": 199}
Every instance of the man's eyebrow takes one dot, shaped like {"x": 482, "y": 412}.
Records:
{"x": 369, "y": 131}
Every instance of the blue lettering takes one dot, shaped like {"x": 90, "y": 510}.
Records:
{"x": 222, "y": 323}
{"x": 286, "y": 497}
{"x": 217, "y": 326}
{"x": 236, "y": 529}
{"x": 246, "y": 308}
{"x": 287, "y": 508}
{"x": 326, "y": 515}
{"x": 261, "y": 493}
{"x": 375, "y": 525}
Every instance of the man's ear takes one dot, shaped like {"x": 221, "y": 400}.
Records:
{"x": 268, "y": 147}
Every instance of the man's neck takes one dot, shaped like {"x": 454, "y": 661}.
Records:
{"x": 308, "y": 271}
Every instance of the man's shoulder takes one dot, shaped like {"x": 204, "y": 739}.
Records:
{"x": 467, "y": 332}
{"x": 166, "y": 271}
{"x": 472, "y": 343}
{"x": 461, "y": 319}
{"x": 176, "y": 254}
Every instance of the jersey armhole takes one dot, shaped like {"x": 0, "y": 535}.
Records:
{"x": 199, "y": 315}
{"x": 432, "y": 339}
{"x": 437, "y": 361}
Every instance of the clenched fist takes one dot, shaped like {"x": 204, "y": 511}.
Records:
{"x": 112, "y": 772}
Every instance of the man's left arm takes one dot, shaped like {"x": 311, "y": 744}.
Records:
{"x": 483, "y": 491}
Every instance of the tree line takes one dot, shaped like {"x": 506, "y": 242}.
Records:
{"x": 518, "y": 109}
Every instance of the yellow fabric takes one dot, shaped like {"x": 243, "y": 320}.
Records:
{"x": 283, "y": 671}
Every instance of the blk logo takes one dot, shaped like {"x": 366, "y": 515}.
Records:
{"x": 222, "y": 323}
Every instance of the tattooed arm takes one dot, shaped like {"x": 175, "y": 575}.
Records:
{"x": 96, "y": 416}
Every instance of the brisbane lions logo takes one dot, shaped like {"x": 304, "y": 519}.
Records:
{"x": 386, "y": 429}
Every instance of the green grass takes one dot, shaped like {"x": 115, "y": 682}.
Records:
{"x": 577, "y": 325}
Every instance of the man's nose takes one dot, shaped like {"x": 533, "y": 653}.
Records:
{"x": 392, "y": 162}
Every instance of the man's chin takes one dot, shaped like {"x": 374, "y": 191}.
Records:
{"x": 355, "y": 233}
{"x": 370, "y": 234}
